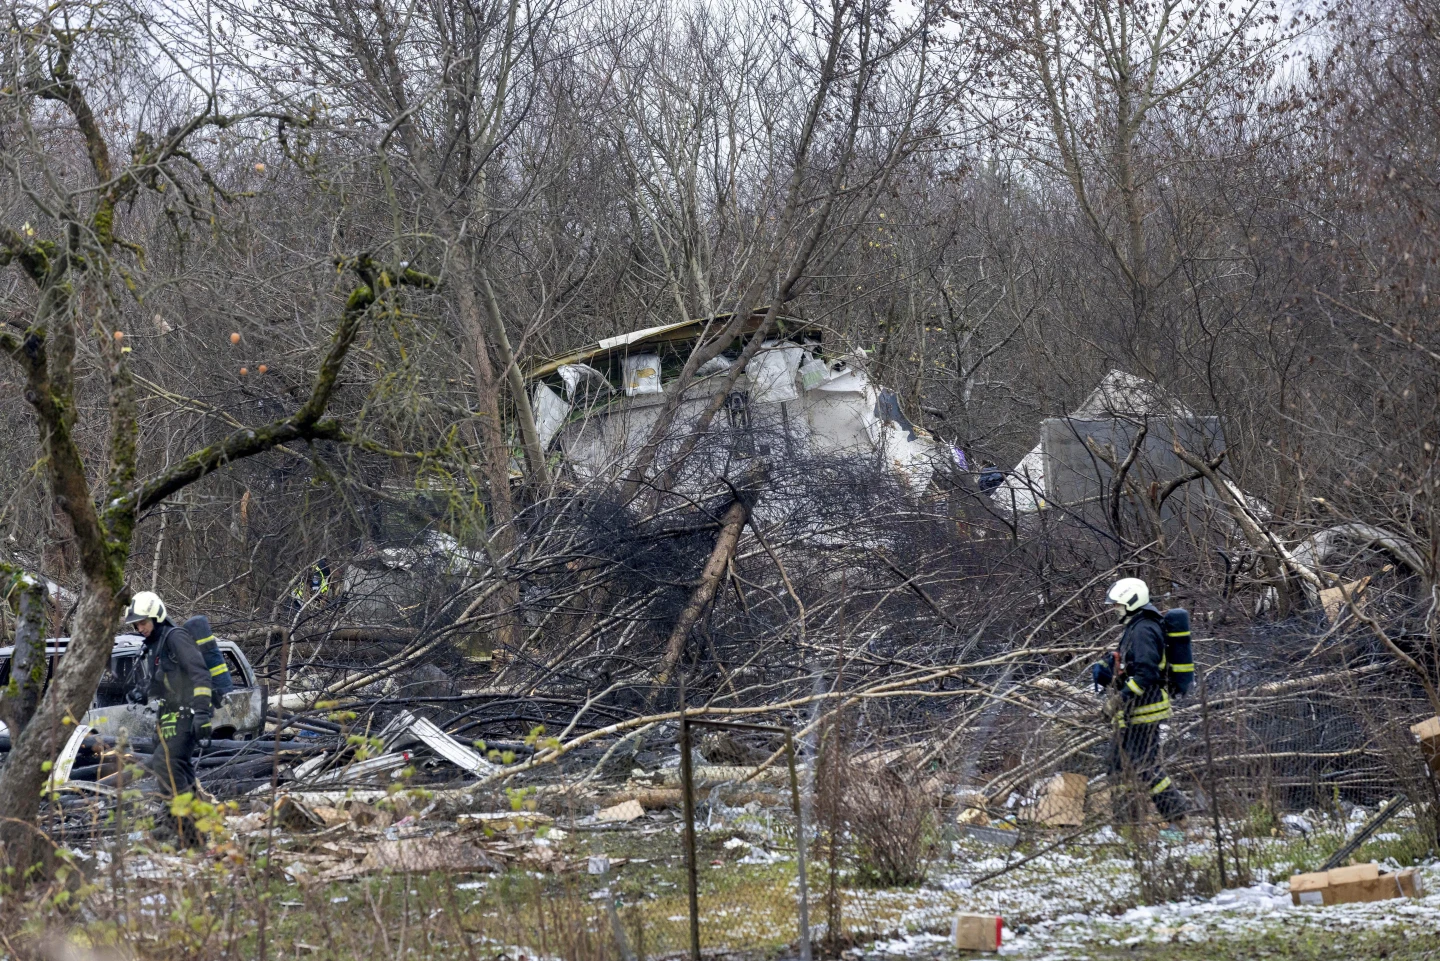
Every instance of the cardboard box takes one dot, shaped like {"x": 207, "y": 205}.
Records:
{"x": 1428, "y": 733}
{"x": 1307, "y": 888}
{"x": 1353, "y": 872}
{"x": 1349, "y": 885}
{"x": 1062, "y": 801}
{"x": 1401, "y": 884}
{"x": 1098, "y": 804}
{"x": 977, "y": 932}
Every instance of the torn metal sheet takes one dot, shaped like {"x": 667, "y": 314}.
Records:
{"x": 307, "y": 768}
{"x": 405, "y": 729}
{"x": 60, "y": 772}
{"x": 368, "y": 768}
{"x": 449, "y": 748}
{"x": 396, "y": 732}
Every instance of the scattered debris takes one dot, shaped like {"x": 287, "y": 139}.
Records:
{"x": 625, "y": 812}
{"x": 297, "y": 815}
{"x": 427, "y": 854}
{"x": 659, "y": 798}
{"x": 1061, "y": 801}
{"x": 60, "y": 773}
{"x": 509, "y": 820}
{"x": 1428, "y": 734}
{"x": 721, "y": 748}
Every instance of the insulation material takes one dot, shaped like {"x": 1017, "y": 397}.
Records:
{"x": 642, "y": 374}
{"x": 1062, "y": 801}
{"x": 623, "y": 812}
{"x": 1428, "y": 734}
{"x": 772, "y": 372}
{"x": 977, "y": 932}
{"x": 550, "y": 413}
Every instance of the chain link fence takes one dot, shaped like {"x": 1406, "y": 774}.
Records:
{"x": 745, "y": 849}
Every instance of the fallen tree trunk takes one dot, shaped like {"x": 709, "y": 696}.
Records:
{"x": 731, "y": 524}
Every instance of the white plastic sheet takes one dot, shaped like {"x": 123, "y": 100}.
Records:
{"x": 576, "y": 374}
{"x": 772, "y": 372}
{"x": 550, "y": 413}
{"x": 715, "y": 365}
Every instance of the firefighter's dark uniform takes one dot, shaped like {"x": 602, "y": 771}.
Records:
{"x": 179, "y": 678}
{"x": 1135, "y": 747}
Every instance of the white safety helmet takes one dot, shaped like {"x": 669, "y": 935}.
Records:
{"x": 1130, "y": 594}
{"x": 145, "y": 605}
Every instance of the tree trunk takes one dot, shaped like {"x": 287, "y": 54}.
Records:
{"x": 524, "y": 414}
{"x": 66, "y": 700}
{"x": 730, "y": 527}
{"x": 19, "y": 699}
{"x": 495, "y": 454}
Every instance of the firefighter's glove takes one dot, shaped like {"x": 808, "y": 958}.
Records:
{"x": 135, "y": 696}
{"x": 200, "y": 725}
{"x": 1113, "y": 705}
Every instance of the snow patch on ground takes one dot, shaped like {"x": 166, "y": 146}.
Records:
{"x": 1060, "y": 905}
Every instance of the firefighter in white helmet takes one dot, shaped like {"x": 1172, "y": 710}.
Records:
{"x": 1136, "y": 673}
{"x": 173, "y": 670}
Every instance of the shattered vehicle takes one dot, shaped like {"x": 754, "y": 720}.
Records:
{"x": 240, "y": 714}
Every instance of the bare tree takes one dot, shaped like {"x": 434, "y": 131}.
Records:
{"x": 80, "y": 264}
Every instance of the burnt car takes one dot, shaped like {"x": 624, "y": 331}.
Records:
{"x": 241, "y": 712}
